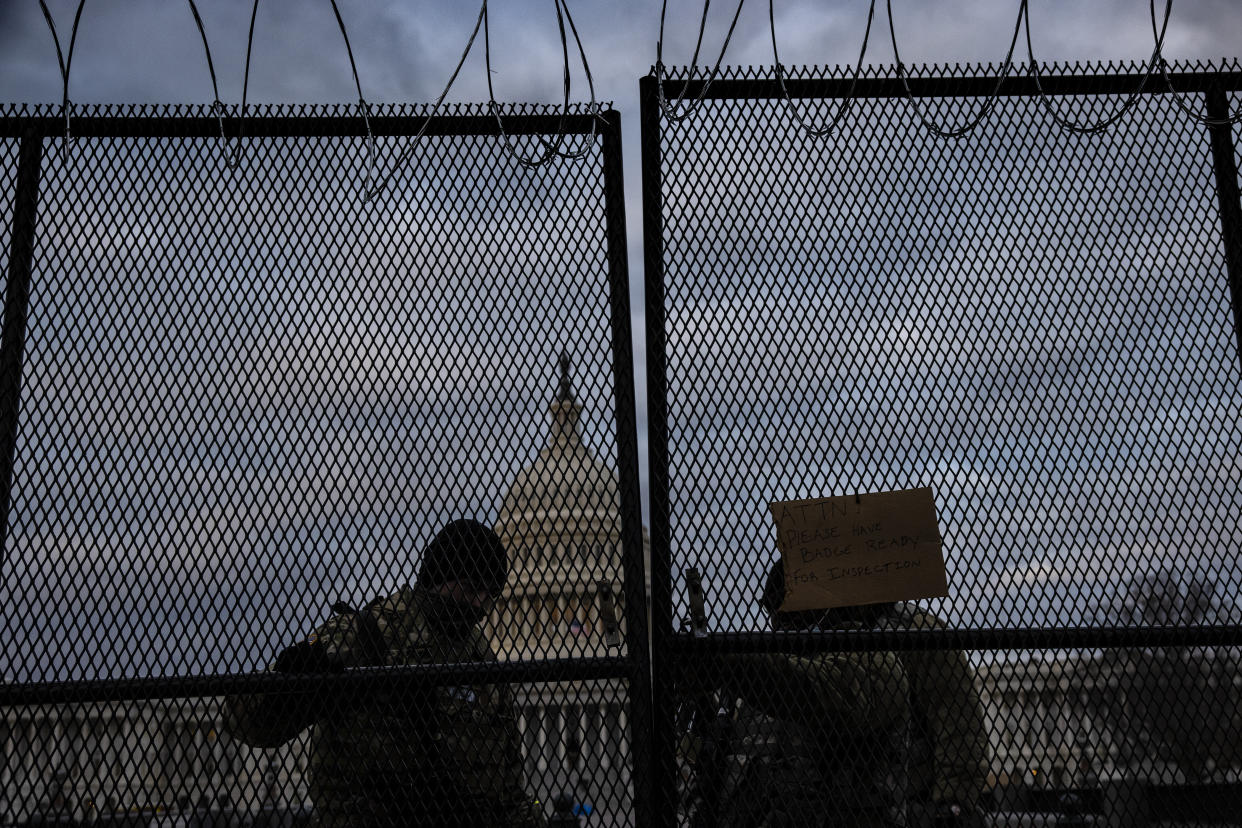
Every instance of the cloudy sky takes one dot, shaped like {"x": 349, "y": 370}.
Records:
{"x": 150, "y": 52}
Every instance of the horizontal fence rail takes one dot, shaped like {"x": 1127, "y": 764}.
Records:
{"x": 360, "y": 680}
{"x": 956, "y": 639}
{"x": 958, "y": 85}
{"x": 296, "y": 126}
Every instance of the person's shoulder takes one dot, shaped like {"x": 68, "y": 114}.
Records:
{"x": 910, "y": 616}
{"x": 876, "y": 675}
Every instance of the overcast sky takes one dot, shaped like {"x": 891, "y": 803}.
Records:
{"x": 149, "y": 51}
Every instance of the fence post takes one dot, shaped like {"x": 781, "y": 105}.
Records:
{"x": 16, "y": 306}
{"x": 634, "y": 565}
{"x": 1226, "y": 169}
{"x": 664, "y": 790}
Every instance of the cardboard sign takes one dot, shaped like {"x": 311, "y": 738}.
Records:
{"x": 859, "y": 549}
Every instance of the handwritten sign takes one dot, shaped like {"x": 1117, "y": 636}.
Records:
{"x": 859, "y": 549}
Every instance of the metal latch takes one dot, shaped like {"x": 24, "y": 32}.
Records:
{"x": 698, "y": 611}
{"x": 608, "y": 614}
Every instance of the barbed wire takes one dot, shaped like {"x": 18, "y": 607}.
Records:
{"x": 551, "y": 149}
{"x": 363, "y": 109}
{"x": 373, "y": 185}
{"x": 232, "y": 158}
{"x": 675, "y": 110}
{"x": 845, "y": 104}
{"x": 233, "y": 154}
{"x": 1156, "y": 62}
{"x": 217, "y": 106}
{"x": 66, "y": 65}
{"x": 407, "y": 151}
{"x": 988, "y": 105}
{"x": 670, "y": 110}
{"x": 1178, "y": 97}
{"x": 1106, "y": 122}
{"x": 595, "y": 109}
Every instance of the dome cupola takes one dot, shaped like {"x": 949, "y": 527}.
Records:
{"x": 561, "y": 517}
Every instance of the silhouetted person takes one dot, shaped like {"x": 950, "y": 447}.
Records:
{"x": 445, "y": 756}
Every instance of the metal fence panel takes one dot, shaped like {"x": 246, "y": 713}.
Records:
{"x": 250, "y": 395}
{"x": 1034, "y": 323}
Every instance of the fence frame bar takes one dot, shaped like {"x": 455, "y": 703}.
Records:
{"x": 981, "y": 640}
{"x": 633, "y": 562}
{"x": 295, "y": 126}
{"x": 662, "y": 698}
{"x": 1016, "y": 85}
{"x": 16, "y": 312}
{"x": 359, "y": 680}
{"x": 1225, "y": 165}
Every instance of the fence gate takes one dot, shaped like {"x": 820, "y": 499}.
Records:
{"x": 1033, "y": 321}
{"x": 233, "y": 399}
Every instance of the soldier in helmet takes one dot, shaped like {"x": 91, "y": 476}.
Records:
{"x": 448, "y": 756}
{"x": 813, "y": 741}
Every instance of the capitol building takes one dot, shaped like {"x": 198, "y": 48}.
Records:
{"x": 561, "y": 525}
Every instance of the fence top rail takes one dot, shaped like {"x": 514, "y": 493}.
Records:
{"x": 945, "y": 81}
{"x": 1052, "y": 638}
{"x": 351, "y": 681}
{"x": 193, "y": 121}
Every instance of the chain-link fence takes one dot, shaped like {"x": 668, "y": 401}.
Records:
{"x": 1035, "y": 323}
{"x": 241, "y": 411}
{"x": 251, "y": 405}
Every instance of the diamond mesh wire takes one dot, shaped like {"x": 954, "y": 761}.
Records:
{"x": 248, "y": 396}
{"x": 145, "y": 761}
{"x": 8, "y": 176}
{"x": 1035, "y": 324}
{"x": 172, "y": 759}
{"x": 1066, "y": 720}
